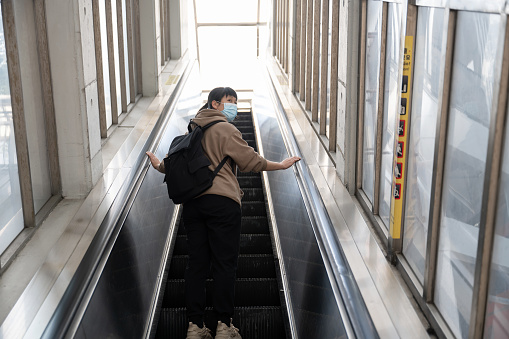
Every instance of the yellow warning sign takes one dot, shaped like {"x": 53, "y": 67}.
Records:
{"x": 399, "y": 166}
{"x": 172, "y": 79}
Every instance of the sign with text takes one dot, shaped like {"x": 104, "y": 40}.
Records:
{"x": 399, "y": 165}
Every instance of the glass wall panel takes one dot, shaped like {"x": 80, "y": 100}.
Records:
{"x": 497, "y": 309}
{"x": 428, "y": 71}
{"x": 116, "y": 81}
{"x": 33, "y": 105}
{"x": 391, "y": 106}
{"x": 11, "y": 216}
{"x": 473, "y": 79}
{"x": 106, "y": 68}
{"x": 373, "y": 49}
{"x": 126, "y": 52}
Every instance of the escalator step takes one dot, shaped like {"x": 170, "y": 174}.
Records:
{"x": 248, "y": 135}
{"x": 248, "y": 174}
{"x": 245, "y": 129}
{"x": 251, "y": 208}
{"x": 249, "y": 266}
{"x": 243, "y": 123}
{"x": 250, "y": 182}
{"x": 248, "y": 292}
{"x": 253, "y": 322}
{"x": 249, "y": 244}
{"x": 255, "y": 225}
{"x": 252, "y": 194}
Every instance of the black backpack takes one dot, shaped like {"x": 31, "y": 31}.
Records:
{"x": 186, "y": 167}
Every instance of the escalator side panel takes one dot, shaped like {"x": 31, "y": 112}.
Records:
{"x": 122, "y": 301}
{"x": 314, "y": 307}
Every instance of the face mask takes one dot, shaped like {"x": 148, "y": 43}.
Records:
{"x": 230, "y": 111}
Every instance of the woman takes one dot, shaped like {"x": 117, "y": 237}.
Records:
{"x": 212, "y": 220}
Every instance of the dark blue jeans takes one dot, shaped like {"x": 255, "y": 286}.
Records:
{"x": 212, "y": 224}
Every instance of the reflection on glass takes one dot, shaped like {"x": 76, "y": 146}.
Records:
{"x": 497, "y": 309}
{"x": 106, "y": 68}
{"x": 11, "y": 216}
{"x": 473, "y": 79}
{"x": 428, "y": 70}
{"x": 391, "y": 106}
{"x": 373, "y": 43}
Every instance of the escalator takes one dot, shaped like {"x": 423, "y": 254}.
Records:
{"x": 258, "y": 312}
{"x": 293, "y": 280}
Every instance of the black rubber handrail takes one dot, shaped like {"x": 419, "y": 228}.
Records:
{"x": 65, "y": 313}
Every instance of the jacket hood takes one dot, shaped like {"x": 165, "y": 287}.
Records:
{"x": 207, "y": 115}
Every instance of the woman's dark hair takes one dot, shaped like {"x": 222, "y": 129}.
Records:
{"x": 217, "y": 94}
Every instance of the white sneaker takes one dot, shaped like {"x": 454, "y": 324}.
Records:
{"x": 194, "y": 332}
{"x": 224, "y": 331}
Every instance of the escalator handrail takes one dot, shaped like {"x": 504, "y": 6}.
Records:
{"x": 65, "y": 314}
{"x": 359, "y": 322}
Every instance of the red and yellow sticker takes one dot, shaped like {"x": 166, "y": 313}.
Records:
{"x": 399, "y": 166}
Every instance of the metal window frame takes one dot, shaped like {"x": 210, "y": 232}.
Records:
{"x": 380, "y": 113}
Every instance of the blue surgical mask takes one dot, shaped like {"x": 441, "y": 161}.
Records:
{"x": 229, "y": 111}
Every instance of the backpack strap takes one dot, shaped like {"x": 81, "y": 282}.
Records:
{"x": 204, "y": 128}
{"x": 221, "y": 164}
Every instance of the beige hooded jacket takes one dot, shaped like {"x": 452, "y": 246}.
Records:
{"x": 224, "y": 139}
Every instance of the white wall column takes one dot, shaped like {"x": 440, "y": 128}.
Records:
{"x": 348, "y": 84}
{"x": 178, "y": 28}
{"x": 148, "y": 39}
{"x": 74, "y": 79}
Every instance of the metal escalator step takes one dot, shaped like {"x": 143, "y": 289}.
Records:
{"x": 249, "y": 266}
{"x": 253, "y": 322}
{"x": 249, "y": 244}
{"x": 252, "y": 194}
{"x": 245, "y": 129}
{"x": 248, "y": 292}
{"x": 250, "y": 182}
{"x": 255, "y": 225}
{"x": 250, "y": 208}
{"x": 248, "y": 174}
{"x": 248, "y": 135}
{"x": 243, "y": 123}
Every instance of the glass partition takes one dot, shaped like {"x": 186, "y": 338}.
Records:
{"x": 391, "y": 106}
{"x": 373, "y": 50}
{"x": 428, "y": 72}
{"x": 11, "y": 216}
{"x": 473, "y": 80}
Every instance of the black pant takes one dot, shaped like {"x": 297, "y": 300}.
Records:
{"x": 212, "y": 225}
